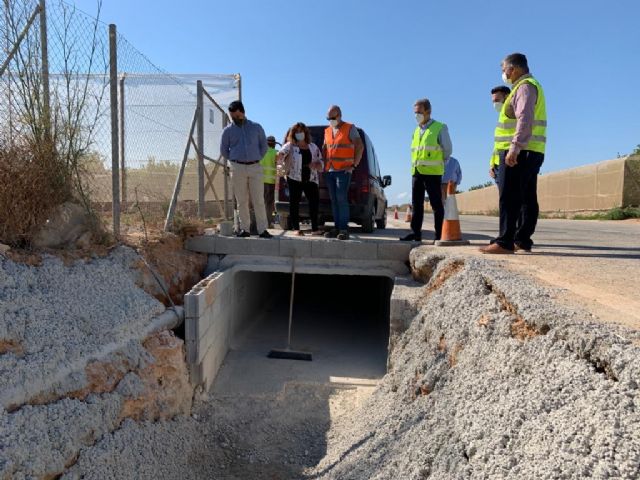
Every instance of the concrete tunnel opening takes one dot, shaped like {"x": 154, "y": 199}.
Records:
{"x": 342, "y": 320}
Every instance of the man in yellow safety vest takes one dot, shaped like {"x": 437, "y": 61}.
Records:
{"x": 268, "y": 163}
{"x": 520, "y": 139}
{"x": 430, "y": 148}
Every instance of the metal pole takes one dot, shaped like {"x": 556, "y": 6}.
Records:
{"x": 239, "y": 77}
{"x": 44, "y": 50}
{"x": 225, "y": 175}
{"x": 115, "y": 144}
{"x": 200, "y": 152}
{"x": 123, "y": 170}
{"x": 19, "y": 40}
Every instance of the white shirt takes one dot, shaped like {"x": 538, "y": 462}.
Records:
{"x": 295, "y": 168}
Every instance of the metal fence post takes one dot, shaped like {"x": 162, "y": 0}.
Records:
{"x": 225, "y": 172}
{"x": 44, "y": 51}
{"x": 200, "y": 152}
{"x": 123, "y": 170}
{"x": 115, "y": 144}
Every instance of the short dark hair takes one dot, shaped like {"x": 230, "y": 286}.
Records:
{"x": 518, "y": 60}
{"x": 235, "y": 106}
{"x": 501, "y": 89}
{"x": 425, "y": 103}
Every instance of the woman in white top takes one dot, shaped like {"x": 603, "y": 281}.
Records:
{"x": 302, "y": 160}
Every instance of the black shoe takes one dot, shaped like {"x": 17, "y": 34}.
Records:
{"x": 412, "y": 237}
{"x": 265, "y": 234}
{"x": 333, "y": 233}
{"x": 344, "y": 235}
{"x": 243, "y": 234}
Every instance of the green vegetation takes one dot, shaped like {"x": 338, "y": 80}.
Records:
{"x": 478, "y": 187}
{"x": 617, "y": 213}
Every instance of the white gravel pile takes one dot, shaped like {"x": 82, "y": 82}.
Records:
{"x": 466, "y": 399}
{"x": 56, "y": 319}
{"x": 61, "y": 316}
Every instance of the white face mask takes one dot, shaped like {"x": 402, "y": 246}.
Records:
{"x": 333, "y": 123}
{"x": 498, "y": 106}
{"x": 420, "y": 118}
{"x": 505, "y": 79}
{"x": 300, "y": 136}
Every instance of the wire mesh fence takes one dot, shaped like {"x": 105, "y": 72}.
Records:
{"x": 56, "y": 82}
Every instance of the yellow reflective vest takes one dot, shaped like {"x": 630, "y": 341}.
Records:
{"x": 506, "y": 127}
{"x": 427, "y": 156}
{"x": 268, "y": 163}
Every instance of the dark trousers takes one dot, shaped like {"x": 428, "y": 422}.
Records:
{"x": 518, "y": 187}
{"x": 431, "y": 185}
{"x": 310, "y": 190}
{"x": 270, "y": 201}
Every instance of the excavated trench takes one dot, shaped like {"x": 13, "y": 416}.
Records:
{"x": 464, "y": 371}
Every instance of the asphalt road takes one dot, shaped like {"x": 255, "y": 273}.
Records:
{"x": 596, "y": 264}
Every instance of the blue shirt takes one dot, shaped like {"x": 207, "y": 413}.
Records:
{"x": 243, "y": 144}
{"x": 452, "y": 171}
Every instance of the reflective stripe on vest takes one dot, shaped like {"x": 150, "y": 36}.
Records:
{"x": 340, "y": 151}
{"x": 506, "y": 127}
{"x": 268, "y": 163}
{"x": 427, "y": 156}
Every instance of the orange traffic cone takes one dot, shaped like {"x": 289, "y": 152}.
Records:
{"x": 408, "y": 216}
{"x": 395, "y": 213}
{"x": 451, "y": 233}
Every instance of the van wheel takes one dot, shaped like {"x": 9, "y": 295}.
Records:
{"x": 285, "y": 223}
{"x": 382, "y": 223}
{"x": 369, "y": 222}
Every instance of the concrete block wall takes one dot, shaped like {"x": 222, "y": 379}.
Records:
{"x": 599, "y": 186}
{"x": 209, "y": 310}
{"x": 405, "y": 303}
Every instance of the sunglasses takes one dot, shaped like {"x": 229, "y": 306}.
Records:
{"x": 332, "y": 118}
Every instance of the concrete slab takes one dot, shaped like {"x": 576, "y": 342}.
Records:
{"x": 328, "y": 249}
{"x": 203, "y": 244}
{"x": 295, "y": 248}
{"x": 262, "y": 246}
{"x": 360, "y": 250}
{"x": 394, "y": 250}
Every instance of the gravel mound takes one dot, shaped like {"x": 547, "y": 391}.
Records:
{"x": 57, "y": 317}
{"x": 493, "y": 380}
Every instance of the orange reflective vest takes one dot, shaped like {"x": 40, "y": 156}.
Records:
{"x": 340, "y": 150}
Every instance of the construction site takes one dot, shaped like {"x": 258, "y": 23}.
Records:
{"x": 141, "y": 339}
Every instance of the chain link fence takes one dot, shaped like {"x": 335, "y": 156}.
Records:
{"x": 132, "y": 129}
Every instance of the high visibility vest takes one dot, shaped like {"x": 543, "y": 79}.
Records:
{"x": 427, "y": 156}
{"x": 495, "y": 159}
{"x": 340, "y": 150}
{"x": 506, "y": 127}
{"x": 268, "y": 163}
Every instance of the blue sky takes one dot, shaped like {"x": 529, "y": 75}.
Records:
{"x": 376, "y": 58}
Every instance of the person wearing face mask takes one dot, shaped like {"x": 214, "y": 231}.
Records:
{"x": 430, "y": 148}
{"x": 498, "y": 95}
{"x": 302, "y": 161}
{"x": 244, "y": 144}
{"x": 520, "y": 139}
{"x": 342, "y": 150}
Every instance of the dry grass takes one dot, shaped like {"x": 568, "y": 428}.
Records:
{"x": 34, "y": 181}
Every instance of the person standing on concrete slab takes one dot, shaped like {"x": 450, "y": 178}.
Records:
{"x": 520, "y": 140}
{"x": 452, "y": 173}
{"x": 244, "y": 144}
{"x": 302, "y": 160}
{"x": 498, "y": 96}
{"x": 342, "y": 151}
{"x": 268, "y": 163}
{"x": 430, "y": 148}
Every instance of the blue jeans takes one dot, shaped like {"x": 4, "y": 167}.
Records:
{"x": 338, "y": 185}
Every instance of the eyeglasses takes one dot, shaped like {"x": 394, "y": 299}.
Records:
{"x": 332, "y": 118}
